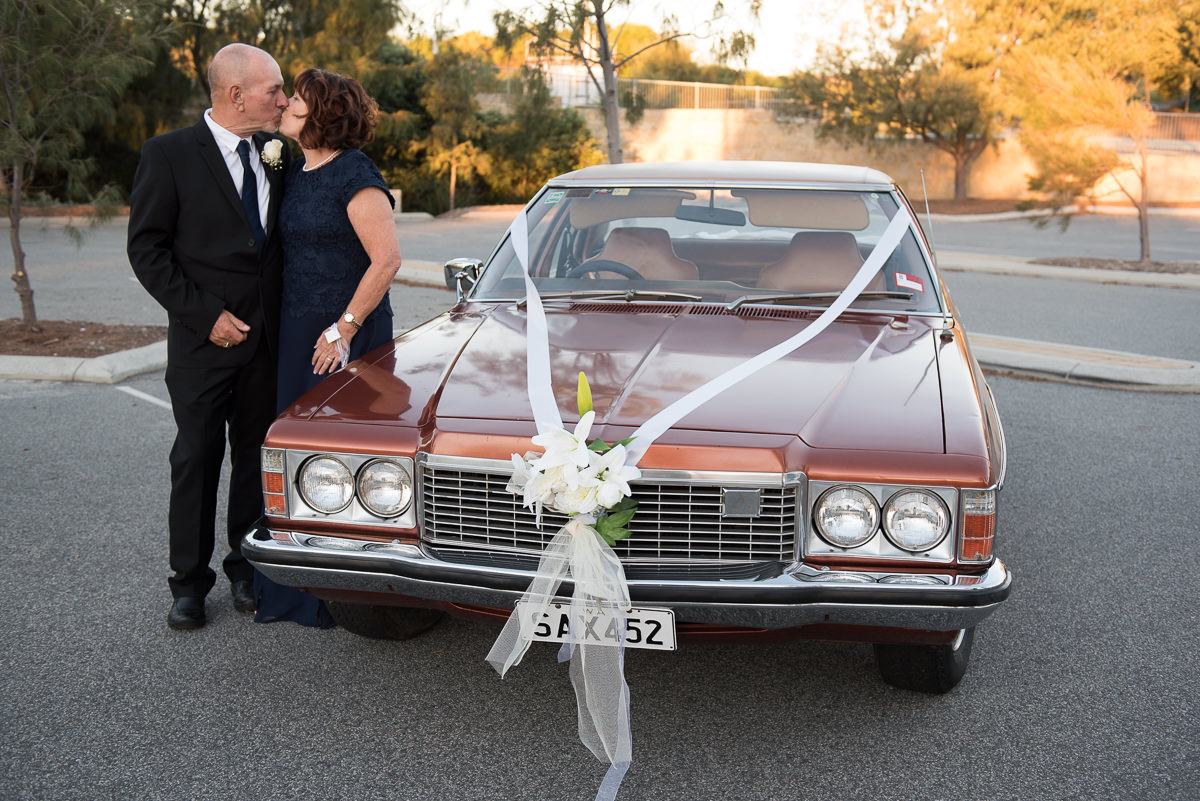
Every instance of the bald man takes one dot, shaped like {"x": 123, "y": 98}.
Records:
{"x": 204, "y": 244}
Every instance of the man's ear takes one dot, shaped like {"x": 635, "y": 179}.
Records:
{"x": 237, "y": 97}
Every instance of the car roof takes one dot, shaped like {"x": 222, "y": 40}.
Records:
{"x": 731, "y": 173}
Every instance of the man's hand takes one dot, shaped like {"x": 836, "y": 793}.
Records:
{"x": 228, "y": 331}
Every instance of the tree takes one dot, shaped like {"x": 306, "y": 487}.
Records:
{"x": 926, "y": 81}
{"x": 538, "y": 141}
{"x": 449, "y": 99}
{"x": 63, "y": 64}
{"x": 1181, "y": 80}
{"x": 580, "y": 30}
{"x": 338, "y": 35}
{"x": 1088, "y": 96}
{"x": 1075, "y": 109}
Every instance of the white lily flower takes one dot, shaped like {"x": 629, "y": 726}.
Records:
{"x": 614, "y": 476}
{"x": 543, "y": 485}
{"x": 520, "y": 475}
{"x": 563, "y": 448}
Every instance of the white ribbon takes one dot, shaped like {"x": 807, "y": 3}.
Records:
{"x": 653, "y": 428}
{"x": 598, "y": 671}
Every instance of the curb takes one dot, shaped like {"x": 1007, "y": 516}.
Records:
{"x": 1081, "y": 365}
{"x": 112, "y": 368}
{"x": 997, "y": 354}
{"x": 421, "y": 273}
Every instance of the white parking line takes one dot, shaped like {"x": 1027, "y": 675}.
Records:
{"x": 148, "y": 398}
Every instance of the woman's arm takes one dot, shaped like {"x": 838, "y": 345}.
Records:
{"x": 371, "y": 215}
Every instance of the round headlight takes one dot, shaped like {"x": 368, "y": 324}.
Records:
{"x": 915, "y": 520}
{"x": 326, "y": 484}
{"x": 846, "y": 516}
{"x": 384, "y": 488}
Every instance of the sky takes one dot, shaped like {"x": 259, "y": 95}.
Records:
{"x": 787, "y": 33}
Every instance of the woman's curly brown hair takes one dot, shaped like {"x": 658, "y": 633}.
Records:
{"x": 341, "y": 115}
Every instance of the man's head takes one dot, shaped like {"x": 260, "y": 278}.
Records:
{"x": 247, "y": 89}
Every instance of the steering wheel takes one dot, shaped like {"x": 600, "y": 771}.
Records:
{"x": 604, "y": 266}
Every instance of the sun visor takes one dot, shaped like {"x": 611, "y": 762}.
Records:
{"x": 608, "y": 205}
{"x": 790, "y": 208}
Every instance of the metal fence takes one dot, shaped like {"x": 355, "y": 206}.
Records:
{"x": 680, "y": 94}
{"x": 1176, "y": 127}
{"x": 574, "y": 88}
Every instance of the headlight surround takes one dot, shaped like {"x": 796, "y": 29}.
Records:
{"x": 915, "y": 520}
{"x": 326, "y": 484}
{"x": 385, "y": 487}
{"x": 846, "y": 516}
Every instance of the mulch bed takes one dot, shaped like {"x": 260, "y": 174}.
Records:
{"x": 1173, "y": 267}
{"x": 73, "y": 338}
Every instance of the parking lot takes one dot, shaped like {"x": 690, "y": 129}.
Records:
{"x": 1082, "y": 686}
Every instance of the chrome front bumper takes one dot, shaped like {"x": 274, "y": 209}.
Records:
{"x": 792, "y": 595}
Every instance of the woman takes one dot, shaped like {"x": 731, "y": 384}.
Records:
{"x": 340, "y": 256}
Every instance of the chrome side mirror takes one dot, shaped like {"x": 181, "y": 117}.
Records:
{"x": 461, "y": 275}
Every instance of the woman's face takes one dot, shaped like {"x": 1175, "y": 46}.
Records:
{"x": 293, "y": 117}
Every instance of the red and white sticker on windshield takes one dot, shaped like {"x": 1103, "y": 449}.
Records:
{"x": 906, "y": 281}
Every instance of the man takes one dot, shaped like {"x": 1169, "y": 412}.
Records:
{"x": 203, "y": 242}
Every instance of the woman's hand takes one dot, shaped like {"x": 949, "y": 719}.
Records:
{"x": 328, "y": 356}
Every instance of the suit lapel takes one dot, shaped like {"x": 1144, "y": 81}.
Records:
{"x": 210, "y": 154}
{"x": 275, "y": 179}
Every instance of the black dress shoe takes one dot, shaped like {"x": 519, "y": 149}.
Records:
{"x": 243, "y": 596}
{"x": 186, "y": 613}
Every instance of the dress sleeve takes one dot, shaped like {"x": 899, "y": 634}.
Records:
{"x": 359, "y": 174}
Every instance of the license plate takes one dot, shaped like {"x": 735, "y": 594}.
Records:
{"x": 645, "y": 627}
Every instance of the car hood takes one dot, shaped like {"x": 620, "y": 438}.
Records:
{"x": 867, "y": 382}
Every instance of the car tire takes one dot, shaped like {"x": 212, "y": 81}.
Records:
{"x": 926, "y": 668}
{"x": 384, "y": 622}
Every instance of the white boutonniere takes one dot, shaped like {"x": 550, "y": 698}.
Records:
{"x": 272, "y": 154}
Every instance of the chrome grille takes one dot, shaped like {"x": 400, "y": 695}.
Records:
{"x": 465, "y": 504}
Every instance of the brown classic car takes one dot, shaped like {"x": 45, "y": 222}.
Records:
{"x": 845, "y": 491}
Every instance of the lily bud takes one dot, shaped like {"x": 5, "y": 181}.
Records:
{"x": 584, "y": 395}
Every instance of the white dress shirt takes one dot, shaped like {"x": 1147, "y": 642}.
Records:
{"x": 227, "y": 141}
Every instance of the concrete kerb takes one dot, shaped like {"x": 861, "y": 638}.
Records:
{"x": 1080, "y": 365}
{"x": 112, "y": 368}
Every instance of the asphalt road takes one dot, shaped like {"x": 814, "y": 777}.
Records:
{"x": 1082, "y": 686}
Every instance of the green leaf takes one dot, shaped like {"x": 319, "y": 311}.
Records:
{"x": 611, "y": 524}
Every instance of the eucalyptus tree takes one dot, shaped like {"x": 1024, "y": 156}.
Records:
{"x": 63, "y": 65}
{"x": 587, "y": 32}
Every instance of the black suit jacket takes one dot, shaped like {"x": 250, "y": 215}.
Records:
{"x": 191, "y": 246}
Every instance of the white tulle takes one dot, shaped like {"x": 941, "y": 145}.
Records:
{"x": 334, "y": 337}
{"x": 597, "y": 671}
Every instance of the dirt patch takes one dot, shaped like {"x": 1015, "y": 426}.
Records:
{"x": 74, "y": 338}
{"x": 968, "y": 206}
{"x": 1174, "y": 267}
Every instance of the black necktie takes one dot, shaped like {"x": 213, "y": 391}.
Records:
{"x": 250, "y": 195}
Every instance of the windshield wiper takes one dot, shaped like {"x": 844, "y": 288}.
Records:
{"x": 627, "y": 295}
{"x": 794, "y": 297}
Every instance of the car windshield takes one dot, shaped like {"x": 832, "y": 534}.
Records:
{"x": 735, "y": 246}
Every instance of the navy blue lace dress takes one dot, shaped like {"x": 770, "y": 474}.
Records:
{"x": 323, "y": 264}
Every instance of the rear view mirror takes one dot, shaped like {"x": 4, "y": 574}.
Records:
{"x": 711, "y": 215}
